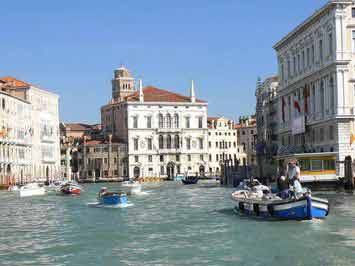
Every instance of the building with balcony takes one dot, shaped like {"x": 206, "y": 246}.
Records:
{"x": 317, "y": 86}
{"x": 246, "y": 138}
{"x": 223, "y": 144}
{"x": 267, "y": 119}
{"x": 40, "y": 127}
{"x": 166, "y": 132}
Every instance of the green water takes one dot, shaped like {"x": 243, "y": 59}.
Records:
{"x": 171, "y": 225}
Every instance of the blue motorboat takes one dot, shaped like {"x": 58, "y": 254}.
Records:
{"x": 112, "y": 198}
{"x": 305, "y": 207}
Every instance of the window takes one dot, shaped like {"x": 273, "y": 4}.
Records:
{"x": 178, "y": 169}
{"x": 330, "y": 45}
{"x": 177, "y": 157}
{"x": 216, "y": 144}
{"x": 243, "y": 132}
{"x": 135, "y": 122}
{"x": 168, "y": 142}
{"x": 189, "y": 157}
{"x": 161, "y": 158}
{"x": 312, "y": 54}
{"x": 294, "y": 65}
{"x": 150, "y": 158}
{"x": 353, "y": 12}
{"x": 321, "y": 134}
{"x": 331, "y": 94}
{"x": 177, "y": 142}
{"x": 210, "y": 158}
{"x": 188, "y": 143}
{"x": 201, "y": 157}
{"x": 200, "y": 141}
{"x": 161, "y": 170}
{"x": 149, "y": 122}
{"x": 168, "y": 121}
{"x": 252, "y": 132}
{"x": 176, "y": 120}
{"x": 331, "y": 132}
{"x": 298, "y": 63}
{"x": 3, "y": 104}
{"x": 136, "y": 159}
{"x": 308, "y": 56}
{"x": 161, "y": 121}
{"x": 322, "y": 97}
{"x": 329, "y": 164}
{"x": 216, "y": 157}
{"x": 105, "y": 173}
{"x": 316, "y": 165}
{"x": 303, "y": 61}
{"x": 161, "y": 142}
{"x": 187, "y": 122}
{"x": 209, "y": 144}
{"x": 200, "y": 122}
{"x": 321, "y": 50}
{"x": 288, "y": 68}
{"x": 136, "y": 144}
{"x": 150, "y": 145}
{"x": 105, "y": 160}
{"x": 234, "y": 145}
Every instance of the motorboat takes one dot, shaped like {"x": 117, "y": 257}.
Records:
{"x": 31, "y": 189}
{"x": 112, "y": 198}
{"x": 190, "y": 180}
{"x": 261, "y": 203}
{"x": 13, "y": 188}
{"x": 70, "y": 188}
{"x": 56, "y": 185}
{"x": 131, "y": 187}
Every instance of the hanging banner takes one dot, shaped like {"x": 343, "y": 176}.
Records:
{"x": 298, "y": 126}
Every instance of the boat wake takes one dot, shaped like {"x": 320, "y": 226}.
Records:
{"x": 100, "y": 205}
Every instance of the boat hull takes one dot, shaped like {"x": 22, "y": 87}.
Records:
{"x": 113, "y": 199}
{"x": 32, "y": 192}
{"x": 304, "y": 208}
{"x": 189, "y": 181}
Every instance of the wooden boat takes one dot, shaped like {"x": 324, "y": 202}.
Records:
{"x": 305, "y": 207}
{"x": 190, "y": 180}
{"x": 70, "y": 188}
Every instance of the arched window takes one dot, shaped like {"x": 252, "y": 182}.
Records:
{"x": 176, "y": 119}
{"x": 168, "y": 121}
{"x": 177, "y": 142}
{"x": 161, "y": 121}
{"x": 161, "y": 142}
{"x": 168, "y": 142}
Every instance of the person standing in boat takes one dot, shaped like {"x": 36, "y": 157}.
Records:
{"x": 294, "y": 175}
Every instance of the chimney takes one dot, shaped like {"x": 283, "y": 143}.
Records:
{"x": 141, "y": 95}
{"x": 192, "y": 92}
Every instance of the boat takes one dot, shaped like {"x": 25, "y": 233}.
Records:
{"x": 131, "y": 187}
{"x": 111, "y": 198}
{"x": 13, "y": 188}
{"x": 70, "y": 188}
{"x": 31, "y": 189}
{"x": 190, "y": 180}
{"x": 296, "y": 207}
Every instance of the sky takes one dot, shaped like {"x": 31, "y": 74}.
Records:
{"x": 72, "y": 47}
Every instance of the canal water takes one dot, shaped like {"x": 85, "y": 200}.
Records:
{"x": 171, "y": 224}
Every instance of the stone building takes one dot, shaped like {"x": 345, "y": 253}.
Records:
{"x": 317, "y": 84}
{"x": 267, "y": 119}
{"x": 223, "y": 144}
{"x": 166, "y": 132}
{"x": 246, "y": 137}
{"x": 103, "y": 160}
{"x": 41, "y": 121}
{"x": 15, "y": 138}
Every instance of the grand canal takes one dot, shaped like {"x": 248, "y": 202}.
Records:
{"x": 171, "y": 224}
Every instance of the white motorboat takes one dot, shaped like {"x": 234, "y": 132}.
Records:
{"x": 131, "y": 187}
{"x": 32, "y": 189}
{"x": 13, "y": 188}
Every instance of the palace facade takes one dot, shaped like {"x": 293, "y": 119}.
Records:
{"x": 166, "y": 132}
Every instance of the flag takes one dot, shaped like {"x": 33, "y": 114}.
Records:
{"x": 297, "y": 105}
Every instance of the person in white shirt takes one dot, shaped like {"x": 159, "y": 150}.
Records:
{"x": 294, "y": 174}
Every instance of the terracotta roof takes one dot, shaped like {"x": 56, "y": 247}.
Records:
{"x": 211, "y": 118}
{"x": 15, "y": 82}
{"x": 77, "y": 126}
{"x": 153, "y": 94}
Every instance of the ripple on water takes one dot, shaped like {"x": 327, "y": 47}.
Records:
{"x": 171, "y": 225}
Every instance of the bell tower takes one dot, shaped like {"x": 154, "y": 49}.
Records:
{"x": 122, "y": 84}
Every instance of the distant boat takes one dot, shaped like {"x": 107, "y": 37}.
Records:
{"x": 70, "y": 188}
{"x": 31, "y": 189}
{"x": 131, "y": 187}
{"x": 13, "y": 188}
{"x": 190, "y": 180}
